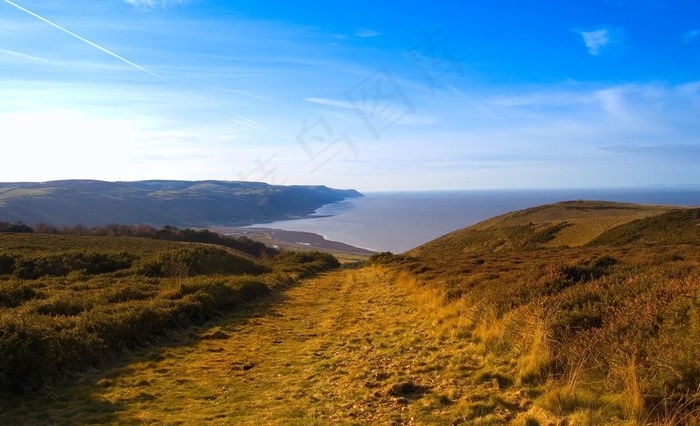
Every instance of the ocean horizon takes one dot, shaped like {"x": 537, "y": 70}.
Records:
{"x": 400, "y": 221}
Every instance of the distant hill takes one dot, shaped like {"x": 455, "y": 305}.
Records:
{"x": 569, "y": 223}
{"x": 160, "y": 202}
{"x": 672, "y": 228}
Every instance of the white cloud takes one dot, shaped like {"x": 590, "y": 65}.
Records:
{"x": 22, "y": 55}
{"x": 366, "y": 32}
{"x": 691, "y": 35}
{"x": 154, "y": 3}
{"x": 329, "y": 102}
{"x": 596, "y": 40}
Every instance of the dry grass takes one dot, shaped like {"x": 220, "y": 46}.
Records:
{"x": 578, "y": 336}
{"x": 352, "y": 347}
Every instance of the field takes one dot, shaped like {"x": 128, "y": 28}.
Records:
{"x": 464, "y": 330}
{"x": 68, "y": 303}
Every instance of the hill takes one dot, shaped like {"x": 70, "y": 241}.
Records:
{"x": 160, "y": 202}
{"x": 601, "y": 324}
{"x": 71, "y": 302}
{"x": 675, "y": 227}
{"x": 459, "y": 331}
{"x": 569, "y": 223}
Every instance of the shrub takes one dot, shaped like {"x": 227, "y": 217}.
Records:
{"x": 13, "y": 293}
{"x": 381, "y": 258}
{"x": 59, "y": 265}
{"x": 197, "y": 260}
{"x": 589, "y": 270}
{"x": 305, "y": 263}
{"x": 7, "y": 264}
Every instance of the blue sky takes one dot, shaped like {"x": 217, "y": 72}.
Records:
{"x": 368, "y": 95}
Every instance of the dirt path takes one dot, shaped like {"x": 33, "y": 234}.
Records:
{"x": 346, "y": 348}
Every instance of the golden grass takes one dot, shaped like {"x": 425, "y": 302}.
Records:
{"x": 565, "y": 224}
{"x": 43, "y": 243}
{"x": 585, "y": 230}
{"x": 351, "y": 347}
{"x": 381, "y": 345}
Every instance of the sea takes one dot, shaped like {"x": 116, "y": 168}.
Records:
{"x": 399, "y": 221}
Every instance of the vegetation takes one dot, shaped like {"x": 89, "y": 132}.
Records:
{"x": 160, "y": 202}
{"x": 71, "y": 302}
{"x": 168, "y": 233}
{"x": 501, "y": 323}
{"x": 608, "y": 330}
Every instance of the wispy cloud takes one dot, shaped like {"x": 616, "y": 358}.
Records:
{"x": 691, "y": 35}
{"x": 154, "y": 3}
{"x": 330, "y": 102}
{"x": 97, "y": 46}
{"x": 676, "y": 151}
{"x": 22, "y": 55}
{"x": 367, "y": 32}
{"x": 596, "y": 40}
{"x": 240, "y": 92}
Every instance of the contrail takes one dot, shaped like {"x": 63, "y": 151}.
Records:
{"x": 81, "y": 38}
{"x": 241, "y": 120}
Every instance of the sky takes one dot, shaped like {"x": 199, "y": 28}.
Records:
{"x": 367, "y": 95}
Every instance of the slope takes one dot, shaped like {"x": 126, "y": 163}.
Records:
{"x": 570, "y": 223}
{"x": 180, "y": 203}
{"x": 675, "y": 227}
{"x": 355, "y": 347}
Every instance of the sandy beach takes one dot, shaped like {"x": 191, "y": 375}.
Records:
{"x": 293, "y": 240}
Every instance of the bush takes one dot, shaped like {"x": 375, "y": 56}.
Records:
{"x": 49, "y": 338}
{"x": 305, "y": 263}
{"x": 381, "y": 258}
{"x": 60, "y": 265}
{"x": 7, "y": 264}
{"x": 197, "y": 260}
{"x": 589, "y": 270}
{"x": 13, "y": 293}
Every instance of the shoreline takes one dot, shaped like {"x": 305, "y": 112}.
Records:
{"x": 293, "y": 240}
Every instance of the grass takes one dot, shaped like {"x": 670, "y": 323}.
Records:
{"x": 38, "y": 243}
{"x": 64, "y": 311}
{"x": 460, "y": 333}
{"x": 566, "y": 224}
{"x": 356, "y": 346}
{"x": 607, "y": 330}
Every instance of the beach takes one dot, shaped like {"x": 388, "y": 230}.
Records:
{"x": 293, "y": 240}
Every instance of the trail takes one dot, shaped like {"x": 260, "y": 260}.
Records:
{"x": 350, "y": 347}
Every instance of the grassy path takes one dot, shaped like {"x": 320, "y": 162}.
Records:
{"x": 350, "y": 347}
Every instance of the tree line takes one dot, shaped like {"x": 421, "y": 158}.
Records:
{"x": 167, "y": 232}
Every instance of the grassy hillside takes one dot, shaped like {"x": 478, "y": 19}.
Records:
{"x": 570, "y": 223}
{"x": 606, "y": 332}
{"x": 158, "y": 202}
{"x": 463, "y": 330}
{"x": 72, "y": 302}
{"x": 677, "y": 227}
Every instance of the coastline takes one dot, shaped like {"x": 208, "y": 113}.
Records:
{"x": 293, "y": 240}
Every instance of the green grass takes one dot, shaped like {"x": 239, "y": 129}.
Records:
{"x": 572, "y": 224}
{"x": 10, "y": 193}
{"x": 43, "y": 243}
{"x": 482, "y": 327}
{"x": 69, "y": 302}
{"x": 610, "y": 328}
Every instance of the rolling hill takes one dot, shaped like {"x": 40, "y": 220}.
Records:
{"x": 509, "y": 322}
{"x": 564, "y": 224}
{"x": 160, "y": 202}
